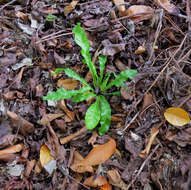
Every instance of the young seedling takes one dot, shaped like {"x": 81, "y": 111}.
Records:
{"x": 100, "y": 110}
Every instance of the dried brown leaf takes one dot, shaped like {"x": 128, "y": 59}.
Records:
{"x": 115, "y": 179}
{"x": 80, "y": 169}
{"x": 169, "y": 7}
{"x": 69, "y": 8}
{"x": 139, "y": 13}
{"x": 145, "y": 152}
{"x": 68, "y": 84}
{"x": 97, "y": 182}
{"x": 64, "y": 140}
{"x": 12, "y": 149}
{"x": 147, "y": 101}
{"x": 47, "y": 118}
{"x": 69, "y": 113}
{"x": 120, "y": 5}
{"x": 100, "y": 153}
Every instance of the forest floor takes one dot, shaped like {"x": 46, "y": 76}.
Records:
{"x": 36, "y": 38}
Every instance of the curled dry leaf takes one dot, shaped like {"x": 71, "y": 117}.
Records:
{"x": 145, "y": 152}
{"x": 47, "y": 118}
{"x": 169, "y": 7}
{"x": 99, "y": 154}
{"x": 99, "y": 181}
{"x": 68, "y": 84}
{"x": 115, "y": 179}
{"x": 176, "y": 116}
{"x": 80, "y": 169}
{"x": 139, "y": 13}
{"x": 12, "y": 149}
{"x": 69, "y": 8}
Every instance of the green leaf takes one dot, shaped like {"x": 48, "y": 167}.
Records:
{"x": 82, "y": 40}
{"x": 92, "y": 116}
{"x": 105, "y": 81}
{"x": 121, "y": 78}
{"x": 57, "y": 71}
{"x": 82, "y": 97}
{"x": 74, "y": 75}
{"x": 102, "y": 62}
{"x": 105, "y": 119}
{"x": 62, "y": 93}
{"x": 50, "y": 18}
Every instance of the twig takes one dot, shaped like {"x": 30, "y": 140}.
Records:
{"x": 7, "y": 4}
{"x": 142, "y": 166}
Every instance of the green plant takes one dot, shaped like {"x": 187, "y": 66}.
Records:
{"x": 50, "y": 18}
{"x": 100, "y": 110}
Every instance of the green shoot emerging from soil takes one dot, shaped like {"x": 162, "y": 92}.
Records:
{"x": 100, "y": 110}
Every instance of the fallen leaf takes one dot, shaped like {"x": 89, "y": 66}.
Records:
{"x": 12, "y": 95}
{"x": 80, "y": 169}
{"x": 115, "y": 179}
{"x": 169, "y": 7}
{"x": 99, "y": 181}
{"x": 29, "y": 167}
{"x": 64, "y": 140}
{"x": 93, "y": 138}
{"x": 45, "y": 155}
{"x": 120, "y": 4}
{"x": 69, "y": 113}
{"x": 176, "y": 116}
{"x": 12, "y": 149}
{"x": 47, "y": 118}
{"x": 139, "y": 13}
{"x": 140, "y": 49}
{"x": 46, "y": 159}
{"x": 68, "y": 84}
{"x": 69, "y": 8}
{"x": 100, "y": 153}
{"x": 147, "y": 101}
{"x": 145, "y": 152}
{"x": 7, "y": 157}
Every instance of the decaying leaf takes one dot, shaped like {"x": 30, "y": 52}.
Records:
{"x": 69, "y": 8}
{"x": 99, "y": 181}
{"x": 47, "y": 118}
{"x": 12, "y": 149}
{"x": 68, "y": 84}
{"x": 115, "y": 179}
{"x": 165, "y": 4}
{"x": 145, "y": 152}
{"x": 139, "y": 13}
{"x": 176, "y": 116}
{"x": 99, "y": 154}
{"x": 80, "y": 169}
{"x": 46, "y": 159}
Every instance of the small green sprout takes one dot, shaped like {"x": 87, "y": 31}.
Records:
{"x": 100, "y": 110}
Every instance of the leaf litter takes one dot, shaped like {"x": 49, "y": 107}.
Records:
{"x": 134, "y": 35}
